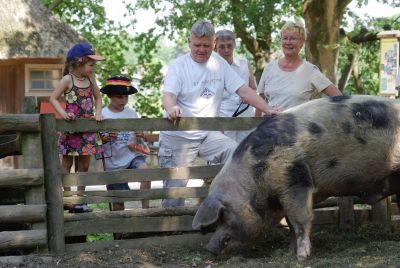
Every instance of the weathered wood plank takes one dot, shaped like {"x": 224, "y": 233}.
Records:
{"x": 53, "y": 182}
{"x": 138, "y": 175}
{"x": 31, "y": 149}
{"x": 331, "y": 216}
{"x": 21, "y": 177}
{"x": 148, "y": 212}
{"x": 346, "y": 212}
{"x": 381, "y": 213}
{"x": 22, "y": 239}
{"x": 188, "y": 240}
{"x": 159, "y": 124}
{"x": 19, "y": 123}
{"x": 75, "y": 197}
{"x": 22, "y": 213}
{"x": 126, "y": 225}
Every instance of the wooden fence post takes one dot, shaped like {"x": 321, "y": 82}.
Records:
{"x": 53, "y": 183}
{"x": 346, "y": 212}
{"x": 381, "y": 212}
{"x": 32, "y": 158}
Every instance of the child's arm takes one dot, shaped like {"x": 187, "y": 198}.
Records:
{"x": 98, "y": 101}
{"x": 62, "y": 86}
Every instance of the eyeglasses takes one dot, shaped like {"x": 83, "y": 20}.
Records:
{"x": 292, "y": 40}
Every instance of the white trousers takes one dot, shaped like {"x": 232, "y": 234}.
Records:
{"x": 181, "y": 152}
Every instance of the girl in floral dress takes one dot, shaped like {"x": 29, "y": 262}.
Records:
{"x": 82, "y": 97}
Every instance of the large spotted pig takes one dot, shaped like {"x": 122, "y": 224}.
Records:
{"x": 334, "y": 146}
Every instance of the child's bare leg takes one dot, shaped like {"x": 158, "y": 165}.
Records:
{"x": 66, "y": 165}
{"x": 145, "y": 185}
{"x": 83, "y": 166}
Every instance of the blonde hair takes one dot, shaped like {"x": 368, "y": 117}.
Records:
{"x": 296, "y": 26}
{"x": 74, "y": 63}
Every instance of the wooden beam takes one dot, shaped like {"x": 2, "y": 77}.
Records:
{"x": 19, "y": 123}
{"x": 138, "y": 175}
{"x": 188, "y": 240}
{"x": 76, "y": 197}
{"x": 23, "y": 213}
{"x": 159, "y": 124}
{"x": 148, "y": 212}
{"x": 21, "y": 177}
{"x": 53, "y": 182}
{"x": 22, "y": 239}
{"x": 129, "y": 225}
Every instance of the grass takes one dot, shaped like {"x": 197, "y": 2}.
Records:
{"x": 101, "y": 236}
{"x": 365, "y": 246}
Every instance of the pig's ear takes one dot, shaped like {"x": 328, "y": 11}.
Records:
{"x": 207, "y": 215}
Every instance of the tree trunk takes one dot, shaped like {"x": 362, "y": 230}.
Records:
{"x": 348, "y": 69}
{"x": 323, "y": 19}
{"x": 259, "y": 45}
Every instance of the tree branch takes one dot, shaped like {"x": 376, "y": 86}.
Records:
{"x": 55, "y": 4}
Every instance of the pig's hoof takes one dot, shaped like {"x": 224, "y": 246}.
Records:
{"x": 301, "y": 257}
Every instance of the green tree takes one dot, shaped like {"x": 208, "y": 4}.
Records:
{"x": 112, "y": 40}
{"x": 256, "y": 22}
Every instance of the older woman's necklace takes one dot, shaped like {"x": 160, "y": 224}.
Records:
{"x": 78, "y": 78}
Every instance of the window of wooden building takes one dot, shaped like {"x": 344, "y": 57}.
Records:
{"x": 41, "y": 79}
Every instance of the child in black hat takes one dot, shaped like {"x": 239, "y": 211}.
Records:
{"x": 122, "y": 149}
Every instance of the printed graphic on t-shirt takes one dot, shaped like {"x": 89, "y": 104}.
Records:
{"x": 123, "y": 137}
{"x": 207, "y": 93}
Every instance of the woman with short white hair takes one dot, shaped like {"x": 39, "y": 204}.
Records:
{"x": 290, "y": 80}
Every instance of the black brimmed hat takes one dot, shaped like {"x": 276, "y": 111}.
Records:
{"x": 118, "y": 85}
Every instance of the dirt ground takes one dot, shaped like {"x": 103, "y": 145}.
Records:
{"x": 365, "y": 246}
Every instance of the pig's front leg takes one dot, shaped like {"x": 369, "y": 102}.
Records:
{"x": 300, "y": 215}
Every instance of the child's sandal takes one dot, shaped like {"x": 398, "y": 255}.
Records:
{"x": 80, "y": 208}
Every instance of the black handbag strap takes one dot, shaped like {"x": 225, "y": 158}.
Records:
{"x": 239, "y": 112}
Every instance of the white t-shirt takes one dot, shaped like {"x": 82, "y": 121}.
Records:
{"x": 118, "y": 149}
{"x": 230, "y": 102}
{"x": 199, "y": 88}
{"x": 287, "y": 89}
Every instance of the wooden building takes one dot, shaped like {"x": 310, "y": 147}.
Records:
{"x": 33, "y": 45}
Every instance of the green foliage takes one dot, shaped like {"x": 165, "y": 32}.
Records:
{"x": 368, "y": 59}
{"x": 112, "y": 40}
{"x": 100, "y": 237}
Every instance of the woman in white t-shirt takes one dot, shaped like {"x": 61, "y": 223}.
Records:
{"x": 290, "y": 80}
{"x": 231, "y": 104}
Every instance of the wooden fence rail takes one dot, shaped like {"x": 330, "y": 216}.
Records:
{"x": 39, "y": 134}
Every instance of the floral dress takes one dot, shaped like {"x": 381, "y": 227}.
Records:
{"x": 80, "y": 102}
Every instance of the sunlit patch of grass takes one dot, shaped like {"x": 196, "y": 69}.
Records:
{"x": 100, "y": 237}
{"x": 99, "y": 206}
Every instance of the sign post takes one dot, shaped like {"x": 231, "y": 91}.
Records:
{"x": 389, "y": 63}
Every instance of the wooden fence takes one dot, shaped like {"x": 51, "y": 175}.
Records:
{"x": 153, "y": 220}
{"x": 23, "y": 218}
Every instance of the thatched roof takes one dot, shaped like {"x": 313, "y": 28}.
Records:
{"x": 28, "y": 29}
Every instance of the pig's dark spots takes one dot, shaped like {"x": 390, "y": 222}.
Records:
{"x": 346, "y": 127}
{"x": 332, "y": 163}
{"x": 315, "y": 129}
{"x": 258, "y": 171}
{"x": 298, "y": 175}
{"x": 277, "y": 130}
{"x": 339, "y": 98}
{"x": 372, "y": 113}
{"x": 361, "y": 140}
